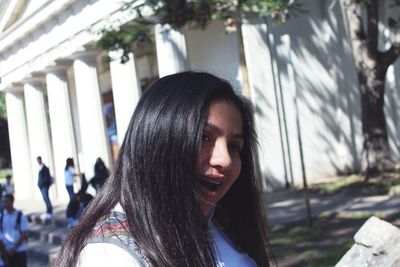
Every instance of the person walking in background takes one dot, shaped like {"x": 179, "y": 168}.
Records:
{"x": 100, "y": 174}
{"x": 183, "y": 191}
{"x": 44, "y": 183}
{"x": 8, "y": 186}
{"x": 14, "y": 231}
{"x": 69, "y": 175}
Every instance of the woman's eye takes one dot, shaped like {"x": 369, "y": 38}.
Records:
{"x": 235, "y": 148}
{"x": 205, "y": 137}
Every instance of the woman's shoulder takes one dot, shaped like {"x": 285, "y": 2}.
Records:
{"x": 112, "y": 227}
{"x": 113, "y": 230}
{"x": 106, "y": 254}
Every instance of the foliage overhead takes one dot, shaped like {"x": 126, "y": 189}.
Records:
{"x": 195, "y": 14}
{"x": 3, "y": 112}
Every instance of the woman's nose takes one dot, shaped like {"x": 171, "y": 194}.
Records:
{"x": 220, "y": 157}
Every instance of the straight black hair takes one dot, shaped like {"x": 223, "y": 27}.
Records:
{"x": 69, "y": 163}
{"x": 154, "y": 180}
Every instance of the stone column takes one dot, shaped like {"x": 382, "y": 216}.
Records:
{"x": 62, "y": 130}
{"x": 38, "y": 127}
{"x": 19, "y": 144}
{"x": 171, "y": 50}
{"x": 90, "y": 108}
{"x": 126, "y": 91}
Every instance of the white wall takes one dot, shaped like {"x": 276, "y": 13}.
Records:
{"x": 309, "y": 62}
{"x": 215, "y": 51}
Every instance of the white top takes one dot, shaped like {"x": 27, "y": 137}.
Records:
{"x": 8, "y": 189}
{"x": 227, "y": 254}
{"x": 69, "y": 175}
{"x": 40, "y": 167}
{"x": 10, "y": 233}
{"x": 106, "y": 254}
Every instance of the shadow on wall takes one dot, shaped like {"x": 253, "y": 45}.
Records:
{"x": 270, "y": 141}
{"x": 324, "y": 84}
{"x": 328, "y": 94}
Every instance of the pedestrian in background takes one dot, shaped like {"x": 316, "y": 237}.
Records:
{"x": 8, "y": 186}
{"x": 183, "y": 190}
{"x": 14, "y": 232}
{"x": 44, "y": 182}
{"x": 100, "y": 174}
{"x": 69, "y": 175}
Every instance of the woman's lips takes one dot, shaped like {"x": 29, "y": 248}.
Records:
{"x": 211, "y": 182}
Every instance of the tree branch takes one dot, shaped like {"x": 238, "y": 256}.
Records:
{"x": 390, "y": 56}
{"x": 372, "y": 26}
{"x": 357, "y": 22}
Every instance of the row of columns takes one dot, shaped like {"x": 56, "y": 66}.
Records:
{"x": 32, "y": 136}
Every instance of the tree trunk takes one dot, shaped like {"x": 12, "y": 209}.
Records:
{"x": 375, "y": 146}
{"x": 371, "y": 67}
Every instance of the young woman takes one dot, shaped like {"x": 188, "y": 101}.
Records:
{"x": 100, "y": 174}
{"x": 183, "y": 190}
{"x": 69, "y": 175}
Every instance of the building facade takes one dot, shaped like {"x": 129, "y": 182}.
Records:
{"x": 64, "y": 100}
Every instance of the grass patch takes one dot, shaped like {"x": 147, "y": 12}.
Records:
{"x": 285, "y": 254}
{"x": 332, "y": 234}
{"x": 4, "y": 173}
{"x": 393, "y": 186}
{"x": 326, "y": 214}
{"x": 277, "y": 228}
{"x": 355, "y": 214}
{"x": 309, "y": 245}
{"x": 394, "y": 190}
{"x": 309, "y": 253}
{"x": 331, "y": 257}
{"x": 335, "y": 186}
{"x": 295, "y": 235}
{"x": 316, "y": 258}
{"x": 357, "y": 185}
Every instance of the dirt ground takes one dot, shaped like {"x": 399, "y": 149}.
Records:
{"x": 322, "y": 245}
{"x": 331, "y": 235}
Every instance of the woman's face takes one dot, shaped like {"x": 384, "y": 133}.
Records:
{"x": 219, "y": 162}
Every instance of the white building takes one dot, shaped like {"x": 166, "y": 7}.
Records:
{"x": 63, "y": 100}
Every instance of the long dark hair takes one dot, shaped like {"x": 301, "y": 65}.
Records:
{"x": 154, "y": 180}
{"x": 69, "y": 163}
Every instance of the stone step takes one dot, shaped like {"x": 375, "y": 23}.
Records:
{"x": 33, "y": 262}
{"x": 48, "y": 233}
{"x": 57, "y": 220}
{"x": 45, "y": 238}
{"x": 42, "y": 252}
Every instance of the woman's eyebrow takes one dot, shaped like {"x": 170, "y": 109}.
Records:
{"x": 215, "y": 128}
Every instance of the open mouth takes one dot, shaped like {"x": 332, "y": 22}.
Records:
{"x": 210, "y": 184}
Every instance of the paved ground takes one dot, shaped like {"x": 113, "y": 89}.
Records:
{"x": 35, "y": 263}
{"x": 288, "y": 205}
